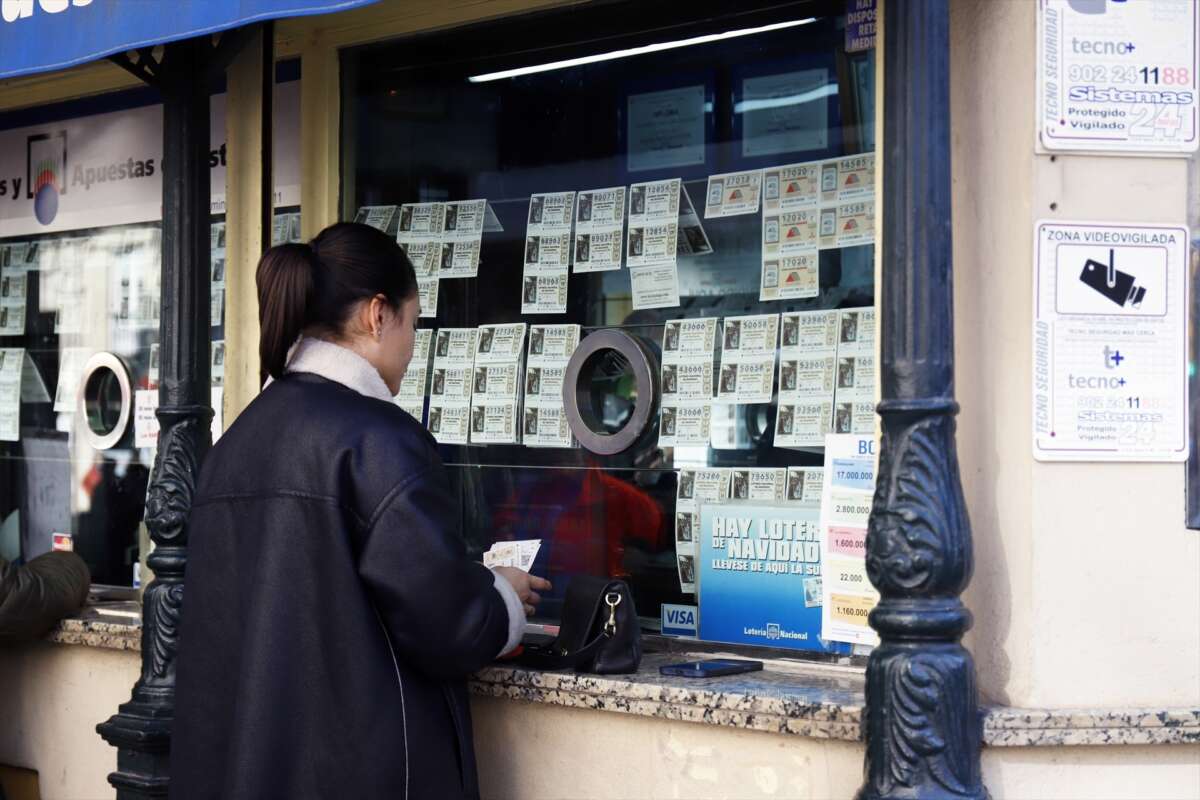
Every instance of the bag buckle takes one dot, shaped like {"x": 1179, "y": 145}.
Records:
{"x": 612, "y": 600}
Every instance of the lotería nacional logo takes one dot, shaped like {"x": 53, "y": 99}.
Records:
{"x": 46, "y": 173}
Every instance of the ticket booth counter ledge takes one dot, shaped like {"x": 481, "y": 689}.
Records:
{"x": 648, "y": 178}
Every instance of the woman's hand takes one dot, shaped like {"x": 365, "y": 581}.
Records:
{"x": 526, "y": 586}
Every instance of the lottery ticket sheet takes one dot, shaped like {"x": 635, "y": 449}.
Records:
{"x": 769, "y": 484}
{"x": 805, "y": 484}
{"x": 11, "y": 369}
{"x": 686, "y": 382}
{"x": 545, "y": 420}
{"x": 748, "y": 346}
{"x": 696, "y": 486}
{"x": 854, "y": 393}
{"x": 496, "y": 384}
{"x": 413, "y": 387}
{"x": 419, "y": 234}
{"x": 380, "y": 217}
{"x": 807, "y": 369}
{"x": 519, "y": 554}
{"x": 733, "y": 193}
{"x": 451, "y": 384}
{"x": 599, "y": 229}
{"x": 652, "y": 243}
{"x": 548, "y": 247}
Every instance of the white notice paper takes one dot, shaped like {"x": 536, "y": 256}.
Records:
{"x": 1110, "y": 344}
{"x": 666, "y": 128}
{"x": 1118, "y": 76}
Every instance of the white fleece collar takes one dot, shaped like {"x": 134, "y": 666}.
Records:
{"x": 338, "y": 364}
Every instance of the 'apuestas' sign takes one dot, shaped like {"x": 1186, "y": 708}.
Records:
{"x": 46, "y": 35}
{"x": 106, "y": 169}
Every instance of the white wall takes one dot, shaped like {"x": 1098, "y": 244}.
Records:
{"x": 52, "y": 696}
{"x": 541, "y": 752}
{"x": 1087, "y": 584}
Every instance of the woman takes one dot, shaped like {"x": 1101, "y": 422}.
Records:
{"x": 331, "y": 613}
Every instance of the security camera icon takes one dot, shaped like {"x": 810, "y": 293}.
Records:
{"x": 1119, "y": 287}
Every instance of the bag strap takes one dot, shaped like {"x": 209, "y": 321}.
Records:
{"x": 544, "y": 657}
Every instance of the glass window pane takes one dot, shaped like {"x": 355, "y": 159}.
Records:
{"x": 596, "y": 99}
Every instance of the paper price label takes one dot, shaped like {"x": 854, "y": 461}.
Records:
{"x": 850, "y": 609}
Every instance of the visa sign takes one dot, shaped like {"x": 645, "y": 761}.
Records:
{"x": 678, "y": 620}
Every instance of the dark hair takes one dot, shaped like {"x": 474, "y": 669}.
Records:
{"x": 316, "y": 285}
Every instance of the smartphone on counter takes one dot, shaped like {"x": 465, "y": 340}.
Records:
{"x": 710, "y": 668}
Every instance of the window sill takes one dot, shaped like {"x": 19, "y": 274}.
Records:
{"x": 818, "y": 701}
{"x": 107, "y": 625}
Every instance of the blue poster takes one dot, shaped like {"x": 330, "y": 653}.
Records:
{"x": 44, "y": 35}
{"x": 760, "y": 576}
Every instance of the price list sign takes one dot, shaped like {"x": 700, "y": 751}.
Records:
{"x": 1110, "y": 342}
{"x": 1118, "y": 75}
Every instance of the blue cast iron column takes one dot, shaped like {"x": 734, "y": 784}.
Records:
{"x": 923, "y": 726}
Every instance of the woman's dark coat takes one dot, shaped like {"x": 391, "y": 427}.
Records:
{"x": 330, "y": 614}
{"x": 35, "y": 596}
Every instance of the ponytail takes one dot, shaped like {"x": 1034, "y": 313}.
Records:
{"x": 315, "y": 287}
{"x": 286, "y": 281}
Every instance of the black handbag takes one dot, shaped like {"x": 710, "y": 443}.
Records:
{"x": 599, "y": 631}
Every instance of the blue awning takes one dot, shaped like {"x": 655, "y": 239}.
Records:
{"x": 45, "y": 35}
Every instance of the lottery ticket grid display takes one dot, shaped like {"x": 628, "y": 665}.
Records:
{"x": 826, "y": 376}
{"x": 548, "y": 249}
{"x": 599, "y": 229}
{"x": 545, "y": 420}
{"x": 809, "y": 207}
{"x": 11, "y": 370}
{"x": 450, "y": 386}
{"x": 687, "y": 382}
{"x": 414, "y": 385}
{"x": 717, "y": 484}
{"x": 806, "y": 208}
{"x": 496, "y": 384}
{"x": 748, "y": 347}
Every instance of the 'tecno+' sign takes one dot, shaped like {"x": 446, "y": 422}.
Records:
{"x": 1110, "y": 342}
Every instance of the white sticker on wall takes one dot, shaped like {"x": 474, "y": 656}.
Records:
{"x": 1118, "y": 75}
{"x": 1110, "y": 342}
